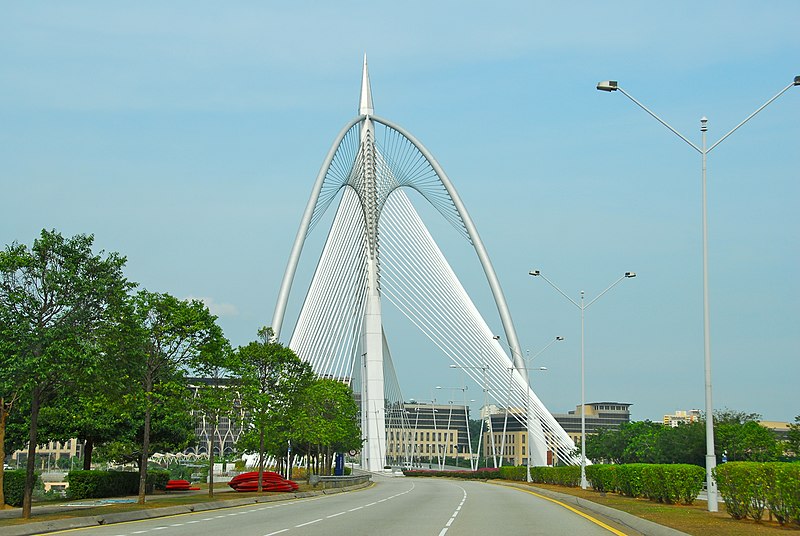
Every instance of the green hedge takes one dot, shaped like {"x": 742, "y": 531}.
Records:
{"x": 561, "y": 476}
{"x": 667, "y": 483}
{"x": 98, "y": 484}
{"x": 672, "y": 483}
{"x": 751, "y": 488}
{"x": 602, "y": 477}
{"x": 14, "y": 486}
{"x": 480, "y": 474}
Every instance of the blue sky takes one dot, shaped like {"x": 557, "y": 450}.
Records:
{"x": 187, "y": 135}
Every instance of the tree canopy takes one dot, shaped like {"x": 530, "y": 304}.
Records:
{"x": 737, "y": 437}
{"x": 56, "y": 298}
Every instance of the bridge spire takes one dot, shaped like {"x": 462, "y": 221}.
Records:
{"x": 365, "y": 106}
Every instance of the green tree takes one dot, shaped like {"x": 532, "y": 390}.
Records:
{"x": 793, "y": 437}
{"x": 172, "y": 428}
{"x": 215, "y": 399}
{"x": 685, "y": 443}
{"x": 176, "y": 335}
{"x": 327, "y": 421}
{"x": 748, "y": 441}
{"x": 55, "y": 298}
{"x": 271, "y": 379}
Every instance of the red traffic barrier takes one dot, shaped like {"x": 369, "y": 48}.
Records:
{"x": 270, "y": 481}
{"x": 180, "y": 485}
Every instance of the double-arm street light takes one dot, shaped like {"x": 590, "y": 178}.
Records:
{"x": 711, "y": 460}
{"x": 582, "y": 306}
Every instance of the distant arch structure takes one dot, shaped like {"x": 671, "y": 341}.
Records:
{"x": 377, "y": 249}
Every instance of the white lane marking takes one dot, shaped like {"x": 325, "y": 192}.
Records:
{"x": 356, "y": 508}
{"x": 276, "y": 532}
{"x": 308, "y": 523}
{"x": 334, "y": 515}
{"x": 455, "y": 513}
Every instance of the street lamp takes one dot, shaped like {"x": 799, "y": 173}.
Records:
{"x": 711, "y": 460}
{"x": 485, "y": 388}
{"x": 466, "y": 418}
{"x": 528, "y": 402}
{"x": 582, "y": 306}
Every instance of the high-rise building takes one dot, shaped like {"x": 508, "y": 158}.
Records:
{"x": 682, "y": 417}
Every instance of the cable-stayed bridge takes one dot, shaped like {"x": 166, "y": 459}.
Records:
{"x": 379, "y": 250}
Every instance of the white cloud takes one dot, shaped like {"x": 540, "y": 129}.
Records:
{"x": 218, "y": 309}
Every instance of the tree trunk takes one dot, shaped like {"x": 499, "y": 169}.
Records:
{"x": 145, "y": 447}
{"x": 211, "y": 460}
{"x": 88, "y": 447}
{"x": 308, "y": 464}
{"x": 30, "y": 475}
{"x": 260, "y": 459}
{"x": 3, "y": 415}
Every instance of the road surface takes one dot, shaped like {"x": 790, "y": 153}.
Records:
{"x": 393, "y": 506}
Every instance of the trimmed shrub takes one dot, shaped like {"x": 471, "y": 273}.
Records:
{"x": 480, "y": 474}
{"x": 568, "y": 475}
{"x": 519, "y": 474}
{"x": 156, "y": 480}
{"x": 783, "y": 494}
{"x": 98, "y": 484}
{"x": 603, "y": 478}
{"x": 14, "y": 486}
{"x": 630, "y": 481}
{"x": 683, "y": 482}
{"x": 750, "y": 488}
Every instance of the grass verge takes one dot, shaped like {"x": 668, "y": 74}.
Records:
{"x": 694, "y": 519}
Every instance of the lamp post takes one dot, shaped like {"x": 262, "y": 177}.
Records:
{"x": 528, "y": 402}
{"x": 466, "y": 417}
{"x": 711, "y": 460}
{"x": 485, "y": 402}
{"x": 582, "y": 306}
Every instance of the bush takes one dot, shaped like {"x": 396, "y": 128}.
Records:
{"x": 749, "y": 488}
{"x": 783, "y": 494}
{"x": 480, "y": 474}
{"x": 14, "y": 486}
{"x": 514, "y": 473}
{"x": 603, "y": 478}
{"x": 630, "y": 481}
{"x": 156, "y": 480}
{"x": 98, "y": 484}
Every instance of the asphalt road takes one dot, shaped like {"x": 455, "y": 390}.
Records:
{"x": 393, "y": 506}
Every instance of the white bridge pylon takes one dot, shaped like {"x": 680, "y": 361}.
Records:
{"x": 378, "y": 247}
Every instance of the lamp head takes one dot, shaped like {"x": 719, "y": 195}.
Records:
{"x": 559, "y": 338}
{"x": 496, "y": 337}
{"x": 630, "y": 274}
{"x": 607, "y": 85}
{"x": 534, "y": 273}
{"x": 453, "y": 366}
{"x": 797, "y": 80}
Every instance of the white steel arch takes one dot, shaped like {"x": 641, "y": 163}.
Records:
{"x": 378, "y": 246}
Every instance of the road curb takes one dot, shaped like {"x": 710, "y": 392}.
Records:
{"x": 644, "y": 526}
